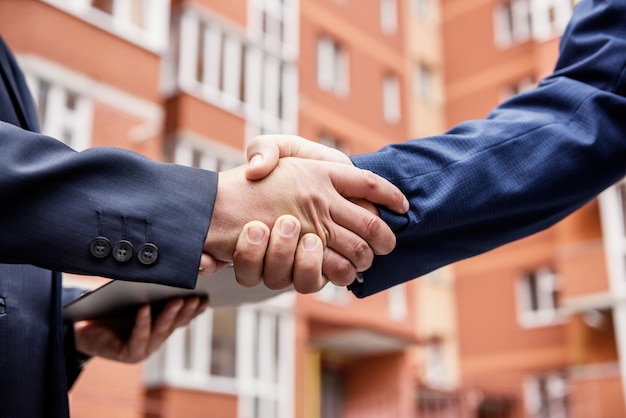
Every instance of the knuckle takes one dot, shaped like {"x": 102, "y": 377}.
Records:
{"x": 341, "y": 271}
{"x": 370, "y": 180}
{"x": 308, "y": 286}
{"x": 276, "y": 283}
{"x": 363, "y": 255}
{"x": 372, "y": 227}
{"x": 246, "y": 280}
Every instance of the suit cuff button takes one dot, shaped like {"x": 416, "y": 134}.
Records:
{"x": 100, "y": 247}
{"x": 148, "y": 254}
{"x": 123, "y": 251}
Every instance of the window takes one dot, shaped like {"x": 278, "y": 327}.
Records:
{"x": 245, "y": 351}
{"x": 526, "y": 84}
{"x": 423, "y": 81}
{"x": 144, "y": 22}
{"x": 63, "y": 113}
{"x": 516, "y": 21}
{"x": 330, "y": 293}
{"x": 621, "y": 195}
{"x": 434, "y": 367}
{"x": 223, "y": 67}
{"x": 205, "y": 154}
{"x": 276, "y": 23}
{"x": 512, "y": 23}
{"x": 546, "y": 396}
{"x": 389, "y": 16}
{"x": 613, "y": 211}
{"x": 332, "y": 393}
{"x": 332, "y": 66}
{"x": 537, "y": 298}
{"x": 332, "y": 142}
{"x": 420, "y": 7}
{"x": 396, "y": 302}
{"x": 550, "y": 18}
{"x": 391, "y": 99}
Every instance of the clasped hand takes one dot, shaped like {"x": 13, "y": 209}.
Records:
{"x": 309, "y": 216}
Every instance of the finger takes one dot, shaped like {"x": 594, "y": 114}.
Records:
{"x": 165, "y": 323}
{"x": 307, "y": 268}
{"x": 139, "y": 338}
{"x": 250, "y": 253}
{"x": 209, "y": 265}
{"x": 365, "y": 204}
{"x": 96, "y": 340}
{"x": 358, "y": 233}
{"x": 278, "y": 267}
{"x": 355, "y": 249}
{"x": 264, "y": 151}
{"x": 191, "y": 308}
{"x": 356, "y": 183}
{"x": 338, "y": 269}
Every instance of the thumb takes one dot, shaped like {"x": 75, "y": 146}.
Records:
{"x": 263, "y": 154}
{"x": 264, "y": 151}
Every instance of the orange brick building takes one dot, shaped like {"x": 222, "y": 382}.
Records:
{"x": 529, "y": 330}
{"x": 539, "y": 320}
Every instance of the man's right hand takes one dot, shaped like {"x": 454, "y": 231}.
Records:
{"x": 306, "y": 261}
{"x": 316, "y": 193}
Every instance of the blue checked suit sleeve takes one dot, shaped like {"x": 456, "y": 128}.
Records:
{"x": 531, "y": 162}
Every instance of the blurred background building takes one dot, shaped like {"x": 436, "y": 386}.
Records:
{"x": 534, "y": 329}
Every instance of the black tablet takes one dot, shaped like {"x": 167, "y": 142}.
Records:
{"x": 119, "y": 297}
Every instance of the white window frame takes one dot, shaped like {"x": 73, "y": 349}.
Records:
{"x": 397, "y": 304}
{"x": 389, "y": 16}
{"x": 332, "y": 67}
{"x": 332, "y": 142}
{"x": 391, "y": 99}
{"x": 421, "y": 8}
{"x": 543, "y": 28}
{"x": 423, "y": 83}
{"x": 555, "y": 405}
{"x": 331, "y": 293}
{"x": 523, "y": 85}
{"x": 155, "y": 14}
{"x": 205, "y": 153}
{"x": 281, "y": 13}
{"x": 546, "y": 313}
{"x": 613, "y": 216}
{"x": 264, "y": 365}
{"x": 269, "y": 102}
{"x": 435, "y": 364}
{"x": 512, "y": 23}
{"x": 150, "y": 114}
{"x": 58, "y": 118}
{"x": 517, "y": 21}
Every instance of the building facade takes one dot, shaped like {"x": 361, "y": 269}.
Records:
{"x": 540, "y": 320}
{"x": 533, "y": 329}
{"x": 190, "y": 82}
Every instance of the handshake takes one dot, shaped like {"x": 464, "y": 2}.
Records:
{"x": 308, "y": 214}
{"x": 298, "y": 213}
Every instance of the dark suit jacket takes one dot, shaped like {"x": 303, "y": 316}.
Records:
{"x": 53, "y": 203}
{"x": 532, "y": 161}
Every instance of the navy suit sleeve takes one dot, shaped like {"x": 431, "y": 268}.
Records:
{"x": 55, "y": 201}
{"x": 531, "y": 162}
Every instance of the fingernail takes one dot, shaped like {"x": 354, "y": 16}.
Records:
{"x": 256, "y": 235}
{"x": 310, "y": 243}
{"x": 255, "y": 160}
{"x": 287, "y": 227}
